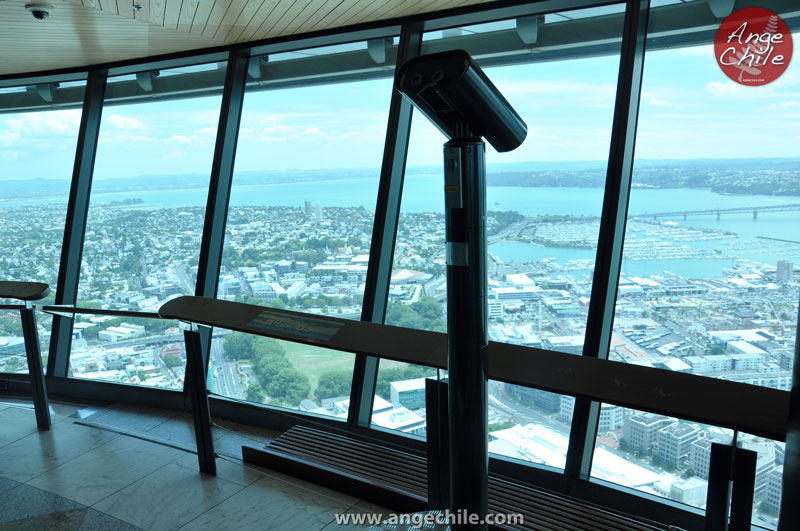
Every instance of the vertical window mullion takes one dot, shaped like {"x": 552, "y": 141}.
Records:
{"x": 219, "y": 191}
{"x": 75, "y": 226}
{"x": 384, "y": 231}
{"x": 612, "y": 228}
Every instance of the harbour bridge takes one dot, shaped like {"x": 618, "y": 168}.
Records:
{"x": 719, "y": 211}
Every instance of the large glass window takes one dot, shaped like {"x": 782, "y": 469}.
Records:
{"x": 302, "y": 208}
{"x": 544, "y": 201}
{"x": 708, "y": 282}
{"x": 37, "y": 148}
{"x": 145, "y": 224}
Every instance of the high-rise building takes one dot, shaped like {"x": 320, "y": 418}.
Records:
{"x": 785, "y": 271}
{"x": 308, "y": 208}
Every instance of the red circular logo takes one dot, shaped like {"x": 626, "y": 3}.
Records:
{"x": 753, "y": 46}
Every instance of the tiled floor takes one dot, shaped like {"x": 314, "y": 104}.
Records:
{"x": 93, "y": 477}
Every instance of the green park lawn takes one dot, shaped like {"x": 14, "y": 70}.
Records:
{"x": 312, "y": 361}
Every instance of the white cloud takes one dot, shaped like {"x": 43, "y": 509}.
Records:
{"x": 280, "y": 128}
{"x": 12, "y": 155}
{"x": 348, "y": 134}
{"x": 125, "y": 122}
{"x": 124, "y": 138}
{"x": 786, "y": 104}
{"x": 725, "y": 89}
{"x": 210, "y": 130}
{"x": 269, "y": 135}
{"x": 8, "y": 137}
{"x": 586, "y": 91}
{"x": 14, "y": 124}
{"x": 47, "y": 123}
{"x": 182, "y": 139}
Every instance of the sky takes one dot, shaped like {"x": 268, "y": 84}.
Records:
{"x": 689, "y": 109}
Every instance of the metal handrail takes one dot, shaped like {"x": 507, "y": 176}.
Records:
{"x": 747, "y": 408}
{"x": 70, "y": 311}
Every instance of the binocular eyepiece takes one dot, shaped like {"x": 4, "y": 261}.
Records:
{"x": 455, "y": 94}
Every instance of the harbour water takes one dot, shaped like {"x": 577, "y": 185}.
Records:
{"x": 423, "y": 193}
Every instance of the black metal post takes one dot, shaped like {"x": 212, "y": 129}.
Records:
{"x": 731, "y": 482}
{"x": 719, "y": 487}
{"x": 467, "y": 341}
{"x": 35, "y": 371}
{"x": 437, "y": 446}
{"x": 744, "y": 484}
{"x": 201, "y": 412}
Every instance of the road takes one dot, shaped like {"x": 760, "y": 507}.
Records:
{"x": 524, "y": 415}
{"x": 187, "y": 286}
{"x": 226, "y": 373}
{"x": 433, "y": 285}
{"x": 511, "y": 230}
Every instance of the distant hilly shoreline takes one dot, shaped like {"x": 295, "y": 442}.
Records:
{"x": 736, "y": 176}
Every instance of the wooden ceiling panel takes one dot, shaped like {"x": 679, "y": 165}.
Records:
{"x": 75, "y": 35}
{"x": 314, "y": 14}
{"x": 201, "y": 16}
{"x": 172, "y": 10}
{"x": 352, "y": 7}
{"x": 185, "y": 19}
{"x": 85, "y": 32}
{"x": 245, "y": 15}
{"x": 277, "y": 13}
{"x": 142, "y": 14}
{"x": 157, "y": 11}
{"x": 263, "y": 12}
{"x": 235, "y": 9}
{"x": 218, "y": 12}
{"x": 288, "y": 16}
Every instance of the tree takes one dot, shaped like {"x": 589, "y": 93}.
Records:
{"x": 264, "y": 346}
{"x": 402, "y": 315}
{"x": 425, "y": 314}
{"x": 255, "y": 393}
{"x": 428, "y": 308}
{"x": 14, "y": 364}
{"x": 496, "y": 426}
{"x": 90, "y": 332}
{"x": 715, "y": 350}
{"x": 276, "y": 303}
{"x": 333, "y": 383}
{"x": 238, "y": 346}
{"x": 268, "y": 366}
{"x": 289, "y": 385}
{"x": 156, "y": 325}
{"x": 172, "y": 361}
{"x": 130, "y": 266}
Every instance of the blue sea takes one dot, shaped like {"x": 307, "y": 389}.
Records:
{"x": 423, "y": 193}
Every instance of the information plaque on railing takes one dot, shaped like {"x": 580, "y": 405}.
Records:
{"x": 299, "y": 325}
